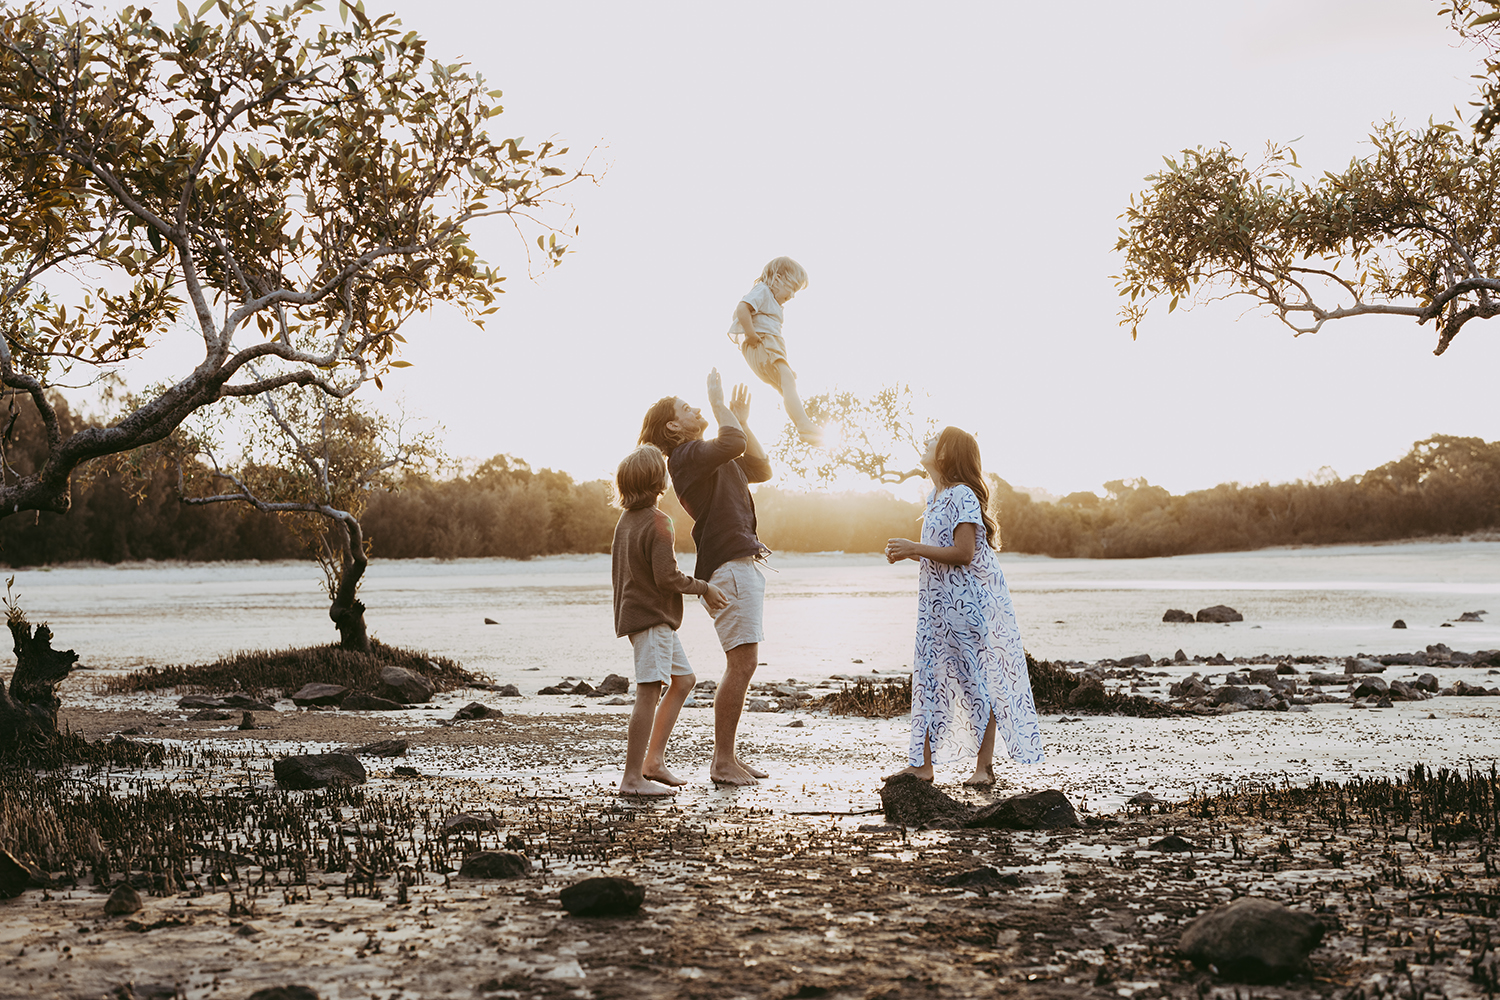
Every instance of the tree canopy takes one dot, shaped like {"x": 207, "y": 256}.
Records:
{"x": 1411, "y": 229}
{"x": 282, "y": 192}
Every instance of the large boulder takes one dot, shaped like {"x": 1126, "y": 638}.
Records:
{"x": 1178, "y": 615}
{"x": 1188, "y": 687}
{"x": 1219, "y": 613}
{"x": 319, "y": 694}
{"x": 406, "y": 686}
{"x": 475, "y": 710}
{"x": 1236, "y": 695}
{"x": 603, "y": 897}
{"x": 318, "y": 770}
{"x": 1367, "y": 686}
{"x": 1252, "y": 940}
{"x": 614, "y": 684}
{"x": 1088, "y": 694}
{"x": 910, "y": 801}
{"x": 1045, "y": 810}
{"x": 125, "y": 899}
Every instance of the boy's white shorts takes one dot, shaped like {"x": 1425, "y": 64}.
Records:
{"x": 740, "y": 622}
{"x": 658, "y": 655}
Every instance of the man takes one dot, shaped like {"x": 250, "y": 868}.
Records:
{"x": 712, "y": 480}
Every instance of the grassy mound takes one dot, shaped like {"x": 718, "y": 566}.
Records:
{"x": 257, "y": 672}
{"x": 1052, "y": 685}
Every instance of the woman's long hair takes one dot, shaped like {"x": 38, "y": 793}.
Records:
{"x": 957, "y": 461}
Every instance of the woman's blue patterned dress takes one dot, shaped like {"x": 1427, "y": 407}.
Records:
{"x": 968, "y": 660}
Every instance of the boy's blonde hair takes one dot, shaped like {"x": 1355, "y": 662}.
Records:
{"x": 787, "y": 268}
{"x": 641, "y": 478}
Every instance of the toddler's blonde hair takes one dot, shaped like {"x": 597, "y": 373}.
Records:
{"x": 641, "y": 478}
{"x": 787, "y": 268}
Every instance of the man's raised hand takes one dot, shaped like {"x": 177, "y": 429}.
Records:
{"x": 739, "y": 403}
{"x": 715, "y": 389}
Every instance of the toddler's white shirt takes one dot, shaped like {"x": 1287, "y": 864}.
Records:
{"x": 765, "y": 313}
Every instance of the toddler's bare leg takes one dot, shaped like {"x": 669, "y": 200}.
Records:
{"x": 636, "y": 736}
{"x": 984, "y": 767}
{"x": 806, "y": 429}
{"x": 655, "y": 767}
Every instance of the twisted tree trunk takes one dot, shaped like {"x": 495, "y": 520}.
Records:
{"x": 28, "y": 711}
{"x": 347, "y": 612}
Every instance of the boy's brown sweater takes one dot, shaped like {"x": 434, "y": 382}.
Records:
{"x": 643, "y": 563}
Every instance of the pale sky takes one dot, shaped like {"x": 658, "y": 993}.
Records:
{"x": 951, "y": 175}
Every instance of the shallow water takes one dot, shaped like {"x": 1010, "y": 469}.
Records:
{"x": 823, "y": 611}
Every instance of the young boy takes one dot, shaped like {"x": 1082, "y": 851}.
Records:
{"x": 648, "y": 607}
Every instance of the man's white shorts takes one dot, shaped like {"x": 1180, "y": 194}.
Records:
{"x": 658, "y": 655}
{"x": 739, "y": 622}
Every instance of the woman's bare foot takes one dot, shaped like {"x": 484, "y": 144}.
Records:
{"x": 734, "y": 774}
{"x": 921, "y": 772}
{"x": 645, "y": 789}
{"x": 664, "y": 776}
{"x": 983, "y": 777}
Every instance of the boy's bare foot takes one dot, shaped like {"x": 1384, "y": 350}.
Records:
{"x": 645, "y": 789}
{"x": 920, "y": 773}
{"x": 664, "y": 776}
{"x": 983, "y": 777}
{"x": 751, "y": 769}
{"x": 734, "y": 774}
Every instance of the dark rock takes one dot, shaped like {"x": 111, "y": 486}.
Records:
{"x": 1384, "y": 702}
{"x": 583, "y": 688}
{"x": 284, "y": 993}
{"x": 209, "y": 715}
{"x": 1362, "y": 665}
{"x": 199, "y": 701}
{"x": 508, "y": 691}
{"x": 406, "y": 772}
{"x": 1439, "y": 653}
{"x": 1402, "y": 691}
{"x": 1188, "y": 687}
{"x": 124, "y": 899}
{"x": 406, "y": 686}
{"x": 1143, "y": 660}
{"x": 556, "y": 689}
{"x": 1264, "y": 675}
{"x": 1048, "y": 809}
{"x": 491, "y": 621}
{"x": 361, "y": 702}
{"x": 247, "y": 721}
{"x": 981, "y": 879}
{"x": 910, "y": 801}
{"x": 1219, "y": 613}
{"x": 474, "y": 710}
{"x": 1370, "y": 685}
{"x": 244, "y": 703}
{"x": 1237, "y": 680}
{"x": 381, "y": 748}
{"x": 1232, "y": 695}
{"x": 603, "y": 897}
{"x": 467, "y": 822}
{"x": 14, "y": 875}
{"x": 1218, "y": 660}
{"x": 495, "y": 864}
{"x": 1319, "y": 677}
{"x": 1088, "y": 694}
{"x": 1286, "y": 668}
{"x": 1172, "y": 844}
{"x": 1398, "y": 623}
{"x": 1179, "y": 656}
{"x": 1178, "y": 615}
{"x": 318, "y": 770}
{"x": 614, "y": 684}
{"x": 1427, "y": 682}
{"x": 319, "y": 694}
{"x": 1252, "y": 940}
{"x": 1472, "y": 616}
{"x": 1471, "y": 690}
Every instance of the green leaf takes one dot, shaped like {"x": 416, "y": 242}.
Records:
{"x": 400, "y": 364}
{"x": 207, "y": 6}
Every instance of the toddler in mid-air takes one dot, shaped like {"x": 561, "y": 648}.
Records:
{"x": 757, "y": 331}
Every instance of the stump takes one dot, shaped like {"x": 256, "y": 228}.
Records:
{"x": 28, "y": 711}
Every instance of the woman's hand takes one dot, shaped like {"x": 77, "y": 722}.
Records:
{"x": 897, "y": 549}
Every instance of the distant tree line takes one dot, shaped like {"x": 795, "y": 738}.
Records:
{"x": 1444, "y": 485}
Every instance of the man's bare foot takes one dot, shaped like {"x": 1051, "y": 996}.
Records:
{"x": 664, "y": 776}
{"x": 921, "y": 773}
{"x": 983, "y": 777}
{"x": 751, "y": 769}
{"x": 733, "y": 774}
{"x": 645, "y": 789}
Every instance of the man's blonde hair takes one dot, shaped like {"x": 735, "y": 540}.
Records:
{"x": 787, "y": 268}
{"x": 641, "y": 478}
